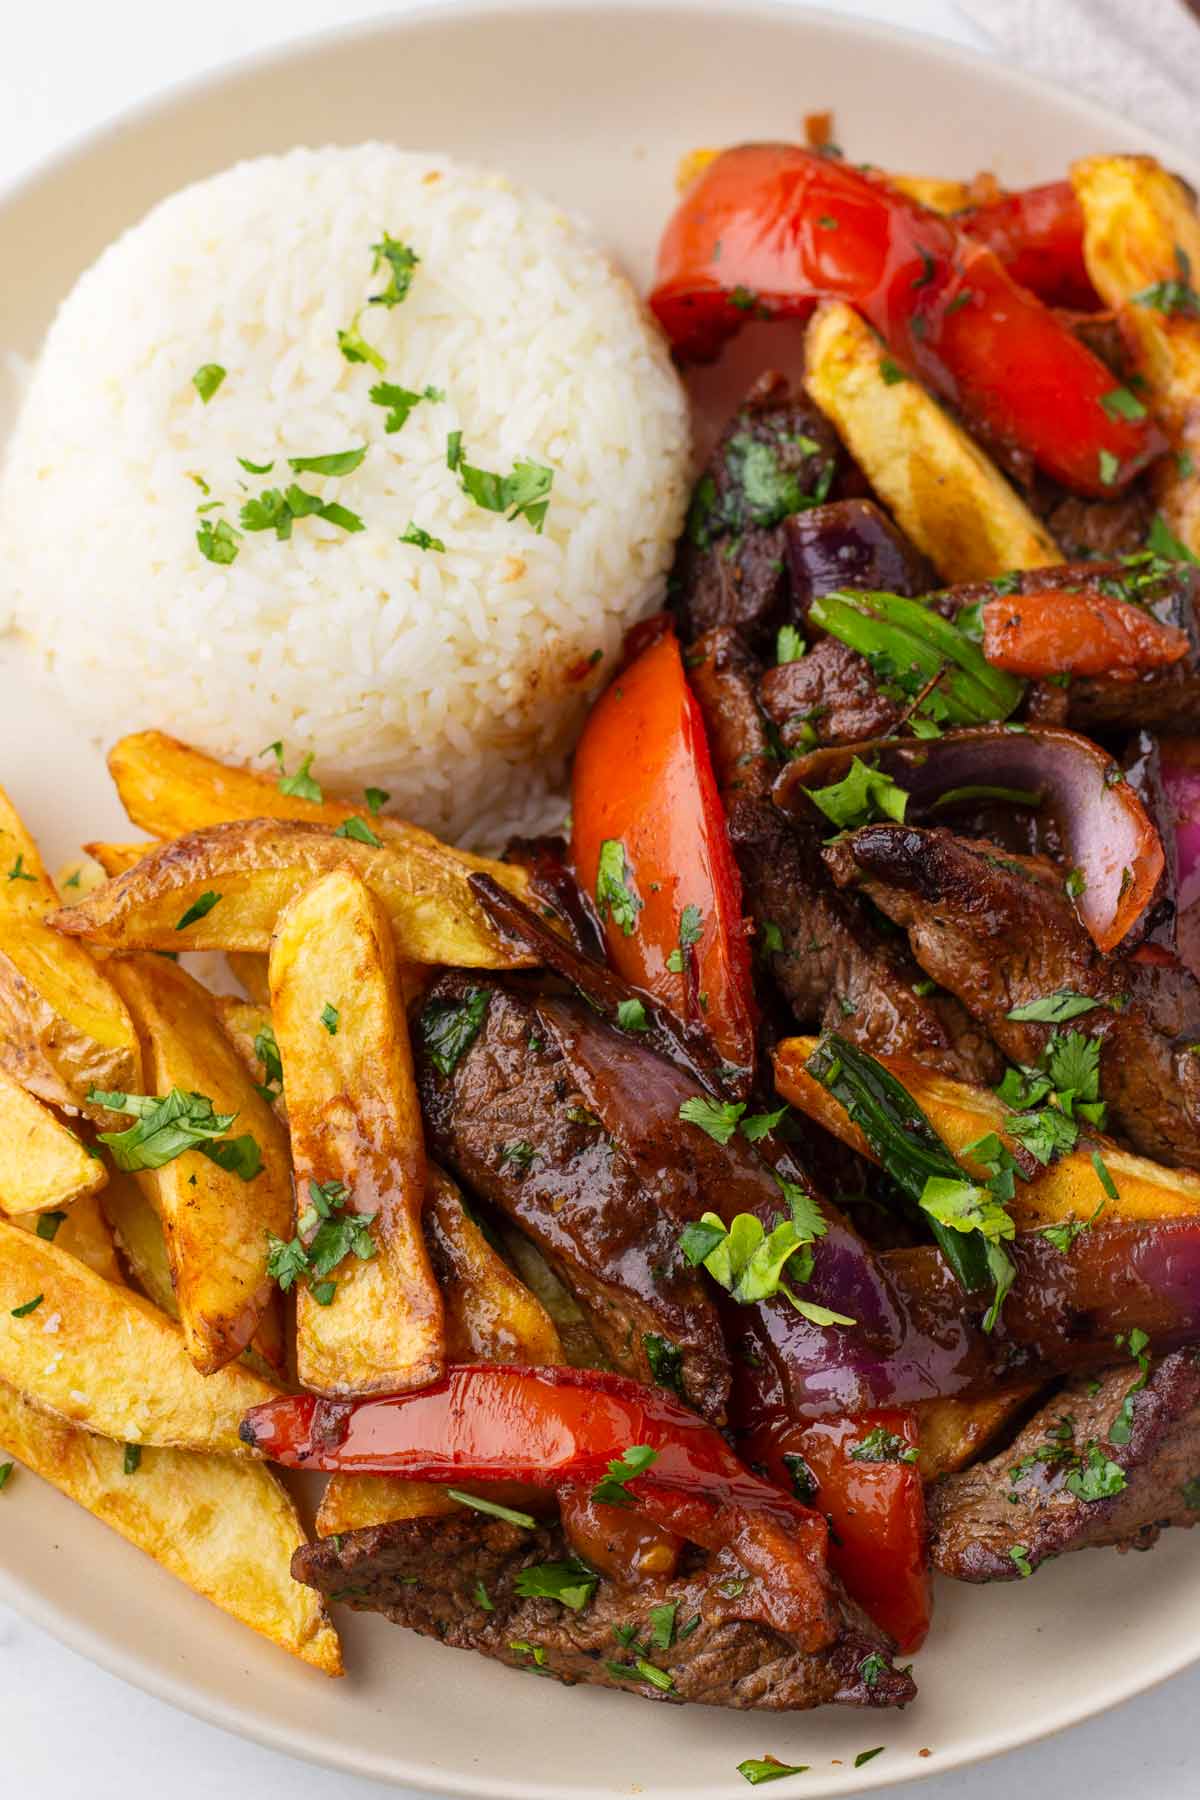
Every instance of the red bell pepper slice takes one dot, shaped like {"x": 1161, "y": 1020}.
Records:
{"x": 874, "y": 1502}
{"x": 1037, "y": 233}
{"x": 649, "y": 841}
{"x": 560, "y": 1427}
{"x": 769, "y": 229}
{"x": 1057, "y": 632}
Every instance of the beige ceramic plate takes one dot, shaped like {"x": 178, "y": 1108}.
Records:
{"x": 594, "y": 106}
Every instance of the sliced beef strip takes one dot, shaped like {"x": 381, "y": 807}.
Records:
{"x": 776, "y": 455}
{"x": 428, "y": 1573}
{"x": 1100, "y": 528}
{"x": 829, "y": 696}
{"x": 999, "y": 932}
{"x": 835, "y": 964}
{"x": 1162, "y": 700}
{"x": 513, "y": 1124}
{"x": 723, "y": 674}
{"x": 1022, "y": 1498}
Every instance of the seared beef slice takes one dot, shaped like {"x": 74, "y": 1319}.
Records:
{"x": 1065, "y": 1485}
{"x": 429, "y": 1574}
{"x": 509, "y": 1120}
{"x": 999, "y": 932}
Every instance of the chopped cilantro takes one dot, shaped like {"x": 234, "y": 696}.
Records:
{"x": 207, "y": 380}
{"x": 168, "y": 1124}
{"x": 48, "y": 1224}
{"x": 424, "y": 540}
{"x": 611, "y": 1489}
{"x": 631, "y": 1016}
{"x": 861, "y": 795}
{"x": 666, "y": 1362}
{"x": 757, "y": 1769}
{"x": 1019, "y": 1554}
{"x": 1122, "y": 403}
{"x": 719, "y": 1118}
{"x": 199, "y": 909}
{"x": 615, "y": 896}
{"x": 866, "y": 1756}
{"x": 1110, "y": 466}
{"x": 218, "y": 540}
{"x": 132, "y": 1459}
{"x": 789, "y": 645}
{"x": 337, "y": 462}
{"x": 523, "y": 493}
{"x": 1097, "y": 1477}
{"x": 400, "y": 401}
{"x": 881, "y": 1445}
{"x": 482, "y": 1598}
{"x": 6, "y": 1470}
{"x": 401, "y": 262}
{"x": 360, "y": 831}
{"x": 22, "y": 1312}
{"x": 19, "y": 872}
{"x": 1054, "y": 1009}
{"x": 571, "y": 1583}
{"x": 449, "y": 1028}
{"x": 329, "y": 1018}
{"x": 355, "y": 348}
{"x": 301, "y": 785}
{"x": 891, "y": 371}
{"x": 376, "y": 798}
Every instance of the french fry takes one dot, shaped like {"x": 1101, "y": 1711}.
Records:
{"x": 932, "y": 191}
{"x": 225, "y": 1528}
{"x": 138, "y": 1232}
{"x": 63, "y": 1028}
{"x": 491, "y": 1316}
{"x": 953, "y": 1432}
{"x": 250, "y": 970}
{"x": 355, "y": 1120}
{"x": 216, "y": 1224}
{"x": 1141, "y": 230}
{"x": 102, "y": 1357}
{"x": 245, "y": 1024}
{"x": 944, "y": 492}
{"x": 257, "y": 867}
{"x": 43, "y": 1165}
{"x": 84, "y": 1233}
{"x": 960, "y": 1114}
{"x": 169, "y": 789}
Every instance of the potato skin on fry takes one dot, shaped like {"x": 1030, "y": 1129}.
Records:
{"x": 942, "y": 490}
{"x": 257, "y": 867}
{"x": 355, "y": 1119}
{"x": 225, "y": 1528}
{"x": 42, "y": 1164}
{"x": 102, "y": 1357}
{"x": 63, "y": 1028}
{"x": 1141, "y": 228}
{"x": 216, "y": 1225}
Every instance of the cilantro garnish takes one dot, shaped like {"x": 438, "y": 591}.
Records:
{"x": 337, "y": 462}
{"x": 355, "y": 348}
{"x": 616, "y": 898}
{"x": 666, "y": 1362}
{"x": 400, "y": 401}
{"x": 401, "y": 261}
{"x": 424, "y": 540}
{"x": 330, "y": 1017}
{"x": 333, "y": 1234}
{"x": 571, "y": 1583}
{"x": 449, "y": 1028}
{"x": 789, "y": 645}
{"x": 301, "y": 785}
{"x": 861, "y": 795}
{"x": 757, "y": 1769}
{"x": 719, "y": 1118}
{"x": 360, "y": 831}
{"x": 218, "y": 540}
{"x": 881, "y": 1445}
{"x": 611, "y": 1489}
{"x": 167, "y": 1125}
{"x": 30, "y": 1306}
{"x": 1019, "y": 1554}
{"x": 1122, "y": 403}
{"x": 1054, "y": 1009}
{"x": 207, "y": 380}
{"x": 132, "y": 1460}
{"x": 524, "y": 492}
{"x": 494, "y": 1511}
{"x": 19, "y": 872}
{"x": 48, "y": 1224}
{"x": 631, "y": 1016}
{"x": 199, "y": 909}
{"x": 691, "y": 929}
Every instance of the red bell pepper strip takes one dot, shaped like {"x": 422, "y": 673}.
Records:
{"x": 560, "y": 1427}
{"x": 1057, "y": 632}
{"x": 874, "y": 1502}
{"x": 1037, "y": 233}
{"x": 649, "y": 841}
{"x": 769, "y": 229}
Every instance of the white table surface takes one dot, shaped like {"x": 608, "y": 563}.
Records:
{"x": 66, "y": 1729}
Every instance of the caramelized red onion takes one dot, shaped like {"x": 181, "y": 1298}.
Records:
{"x": 1114, "y": 852}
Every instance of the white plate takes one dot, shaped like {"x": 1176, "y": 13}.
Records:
{"x": 593, "y": 105}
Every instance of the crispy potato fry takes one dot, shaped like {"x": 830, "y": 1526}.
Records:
{"x": 1069, "y": 1189}
{"x": 169, "y": 789}
{"x": 82, "y": 875}
{"x": 491, "y": 1316}
{"x": 944, "y": 492}
{"x": 102, "y": 1357}
{"x": 63, "y": 1029}
{"x": 952, "y": 1432}
{"x": 257, "y": 867}
{"x": 138, "y": 1231}
{"x": 84, "y": 1233}
{"x": 355, "y": 1119}
{"x": 216, "y": 1225}
{"x": 43, "y": 1165}
{"x": 252, "y": 971}
{"x": 1141, "y": 229}
{"x": 226, "y": 1528}
{"x": 931, "y": 191}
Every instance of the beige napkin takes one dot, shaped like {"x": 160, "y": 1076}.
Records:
{"x": 1140, "y": 57}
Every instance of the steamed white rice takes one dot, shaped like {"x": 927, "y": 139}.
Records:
{"x": 452, "y": 680}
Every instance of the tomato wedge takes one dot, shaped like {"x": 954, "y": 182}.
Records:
{"x": 860, "y": 1471}
{"x": 767, "y": 230}
{"x": 650, "y": 844}
{"x": 1057, "y": 632}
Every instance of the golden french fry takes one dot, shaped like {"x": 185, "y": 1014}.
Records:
{"x": 257, "y": 867}
{"x": 960, "y": 1114}
{"x": 250, "y": 970}
{"x": 1141, "y": 236}
{"x": 932, "y": 191}
{"x": 216, "y": 1224}
{"x": 953, "y": 1432}
{"x": 82, "y": 875}
{"x": 63, "y": 1029}
{"x": 102, "y": 1357}
{"x": 225, "y": 1528}
{"x": 43, "y": 1165}
{"x": 355, "y": 1120}
{"x": 949, "y": 498}
{"x": 138, "y": 1231}
{"x": 169, "y": 789}
{"x": 83, "y": 1233}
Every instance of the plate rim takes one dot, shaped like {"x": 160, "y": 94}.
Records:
{"x": 110, "y": 1655}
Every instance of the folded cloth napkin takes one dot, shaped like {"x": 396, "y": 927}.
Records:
{"x": 1140, "y": 57}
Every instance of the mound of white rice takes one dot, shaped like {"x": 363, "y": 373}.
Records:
{"x": 455, "y": 680}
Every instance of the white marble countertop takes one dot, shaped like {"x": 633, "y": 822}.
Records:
{"x": 71, "y": 1732}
